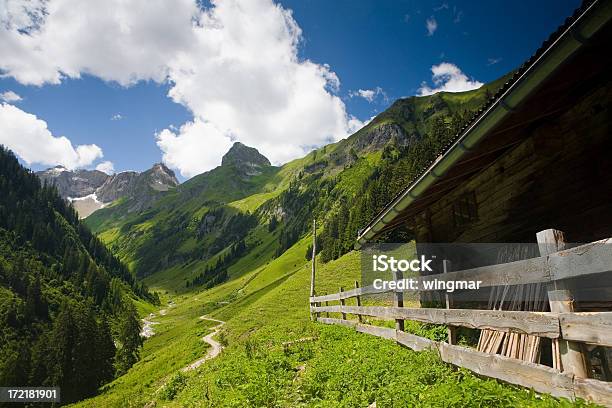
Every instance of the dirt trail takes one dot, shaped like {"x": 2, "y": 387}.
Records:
{"x": 215, "y": 346}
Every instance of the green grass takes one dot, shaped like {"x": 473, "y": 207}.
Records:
{"x": 268, "y": 306}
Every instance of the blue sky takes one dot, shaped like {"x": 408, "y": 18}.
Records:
{"x": 369, "y": 45}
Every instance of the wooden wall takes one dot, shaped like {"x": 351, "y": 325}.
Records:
{"x": 559, "y": 176}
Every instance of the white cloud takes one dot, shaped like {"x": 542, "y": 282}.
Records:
{"x": 369, "y": 94}
{"x": 189, "y": 151}
{"x": 10, "y": 96}
{"x": 432, "y": 25}
{"x": 493, "y": 61}
{"x": 31, "y": 140}
{"x": 106, "y": 167}
{"x": 234, "y": 65}
{"x": 116, "y": 116}
{"x": 448, "y": 77}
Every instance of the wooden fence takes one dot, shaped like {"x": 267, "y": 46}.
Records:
{"x": 567, "y": 329}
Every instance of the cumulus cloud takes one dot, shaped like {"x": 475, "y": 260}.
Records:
{"x": 116, "y": 116}
{"x": 10, "y": 96}
{"x": 106, "y": 167}
{"x": 31, "y": 140}
{"x": 196, "y": 147}
{"x": 369, "y": 94}
{"x": 448, "y": 77}
{"x": 233, "y": 64}
{"x": 432, "y": 25}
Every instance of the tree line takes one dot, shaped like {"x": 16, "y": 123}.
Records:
{"x": 66, "y": 313}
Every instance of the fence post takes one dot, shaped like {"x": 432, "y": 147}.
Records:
{"x": 342, "y": 303}
{"x": 360, "y": 317}
{"x": 399, "y": 300}
{"x": 567, "y": 356}
{"x": 326, "y": 304}
{"x": 314, "y": 256}
{"x": 452, "y": 331}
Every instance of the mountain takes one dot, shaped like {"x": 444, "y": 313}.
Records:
{"x": 246, "y": 211}
{"x": 246, "y": 159}
{"x": 90, "y": 190}
{"x": 72, "y": 184}
{"x": 67, "y": 317}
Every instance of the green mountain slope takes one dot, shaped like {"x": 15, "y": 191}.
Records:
{"x": 193, "y": 233}
{"x": 66, "y": 312}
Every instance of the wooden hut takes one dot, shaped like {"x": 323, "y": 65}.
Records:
{"x": 537, "y": 156}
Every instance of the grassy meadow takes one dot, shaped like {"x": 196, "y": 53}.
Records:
{"x": 267, "y": 306}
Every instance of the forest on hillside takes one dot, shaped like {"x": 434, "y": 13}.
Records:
{"x": 67, "y": 317}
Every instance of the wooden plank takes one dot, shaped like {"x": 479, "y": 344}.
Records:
{"x": 536, "y": 323}
{"x": 531, "y": 270}
{"x": 594, "y": 390}
{"x": 331, "y": 320}
{"x": 588, "y": 259}
{"x": 530, "y": 375}
{"x": 378, "y": 331}
{"x": 593, "y": 328}
{"x": 414, "y": 342}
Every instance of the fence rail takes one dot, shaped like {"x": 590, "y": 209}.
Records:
{"x": 589, "y": 259}
{"x": 594, "y": 328}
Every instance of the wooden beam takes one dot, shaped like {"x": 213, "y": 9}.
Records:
{"x": 530, "y": 375}
{"x": 313, "y": 270}
{"x": 451, "y": 330}
{"x": 314, "y": 256}
{"x": 573, "y": 358}
{"x": 398, "y": 300}
{"x": 593, "y": 328}
{"x": 358, "y": 299}
{"x": 588, "y": 259}
{"x": 536, "y": 323}
{"x": 378, "y": 331}
{"x": 342, "y": 303}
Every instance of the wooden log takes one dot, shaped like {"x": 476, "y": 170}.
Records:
{"x": 451, "y": 330}
{"x": 342, "y": 303}
{"x": 572, "y": 356}
{"x": 358, "y": 299}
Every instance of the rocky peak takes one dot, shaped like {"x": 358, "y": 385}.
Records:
{"x": 246, "y": 159}
{"x": 160, "y": 177}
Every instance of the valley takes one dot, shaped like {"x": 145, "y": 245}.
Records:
{"x": 187, "y": 239}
